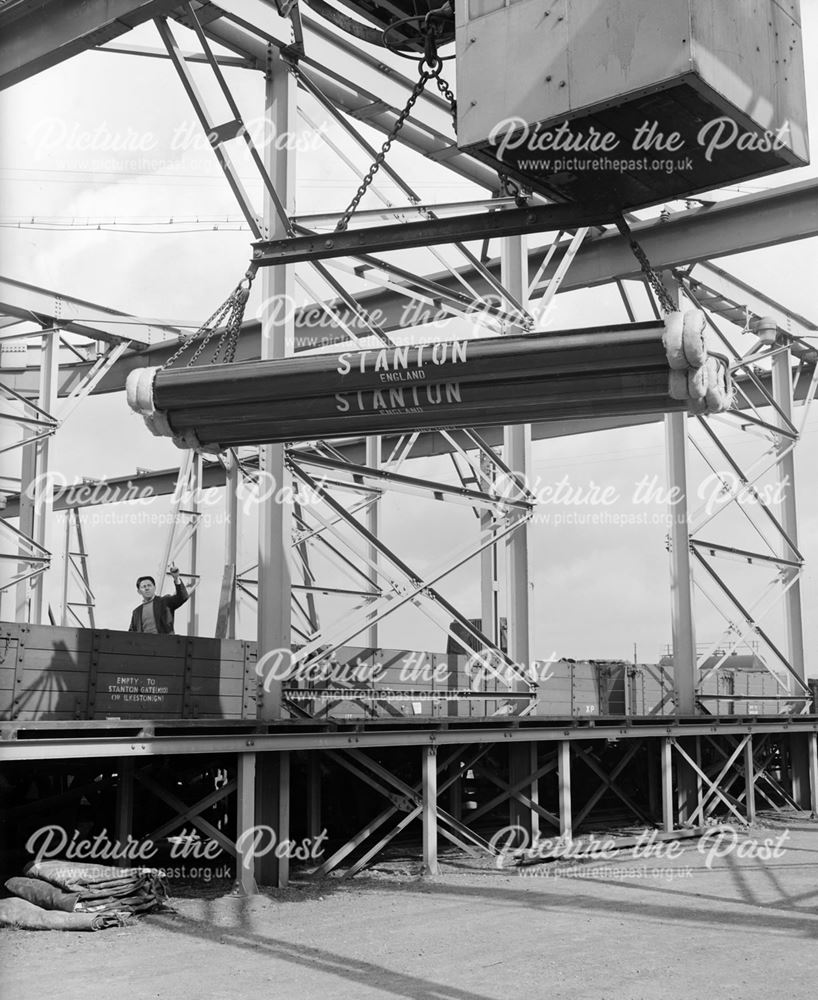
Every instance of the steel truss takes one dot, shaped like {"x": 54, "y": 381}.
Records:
{"x": 742, "y": 488}
{"x": 39, "y": 421}
{"x": 379, "y": 576}
{"x": 452, "y": 787}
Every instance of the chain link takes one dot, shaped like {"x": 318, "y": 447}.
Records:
{"x": 429, "y": 68}
{"x": 664, "y": 297}
{"x": 377, "y": 163}
{"x": 233, "y": 308}
{"x": 446, "y": 91}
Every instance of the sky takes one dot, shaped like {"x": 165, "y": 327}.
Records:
{"x": 110, "y": 193}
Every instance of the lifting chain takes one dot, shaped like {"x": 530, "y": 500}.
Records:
{"x": 666, "y": 302}
{"x": 429, "y": 68}
{"x": 233, "y": 308}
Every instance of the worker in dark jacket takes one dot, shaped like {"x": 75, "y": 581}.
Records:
{"x": 155, "y": 614}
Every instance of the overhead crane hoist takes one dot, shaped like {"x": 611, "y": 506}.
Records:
{"x": 670, "y": 79}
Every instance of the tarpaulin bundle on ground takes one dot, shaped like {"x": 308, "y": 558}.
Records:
{"x": 611, "y": 371}
{"x": 68, "y": 895}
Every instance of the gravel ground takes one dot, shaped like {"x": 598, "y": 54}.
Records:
{"x": 735, "y": 927}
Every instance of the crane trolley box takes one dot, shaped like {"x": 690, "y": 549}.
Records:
{"x": 641, "y": 101}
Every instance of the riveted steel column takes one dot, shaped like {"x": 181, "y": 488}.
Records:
{"x": 231, "y": 546}
{"x": 488, "y": 572}
{"x": 681, "y": 582}
{"x": 40, "y": 483}
{"x": 782, "y": 394}
{"x": 788, "y": 515}
{"x": 517, "y": 456}
{"x": 274, "y": 575}
{"x": 274, "y": 533}
{"x": 373, "y": 461}
{"x": 10, "y": 477}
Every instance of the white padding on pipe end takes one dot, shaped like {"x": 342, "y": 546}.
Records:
{"x": 673, "y": 341}
{"x": 697, "y": 383}
{"x": 157, "y": 424}
{"x": 693, "y": 341}
{"x": 139, "y": 390}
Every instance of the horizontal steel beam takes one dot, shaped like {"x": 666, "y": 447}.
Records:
{"x": 37, "y": 35}
{"x": 33, "y": 304}
{"x": 432, "y": 232}
{"x": 363, "y": 736}
{"x": 147, "y": 52}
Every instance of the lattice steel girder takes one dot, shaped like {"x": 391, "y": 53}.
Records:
{"x": 36, "y": 35}
{"x": 30, "y": 302}
{"x": 433, "y": 232}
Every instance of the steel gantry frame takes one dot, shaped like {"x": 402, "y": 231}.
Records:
{"x": 573, "y": 259}
{"x": 773, "y": 350}
{"x": 28, "y": 426}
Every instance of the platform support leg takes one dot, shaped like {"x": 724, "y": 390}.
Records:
{"x": 813, "y": 772}
{"x": 314, "y": 827}
{"x": 564, "y": 772}
{"x": 124, "y": 806}
{"x": 429, "y": 777}
{"x": 688, "y": 782}
{"x": 667, "y": 784}
{"x": 653, "y": 778}
{"x": 522, "y": 762}
{"x": 273, "y": 815}
{"x": 750, "y": 780}
{"x": 799, "y": 769}
{"x": 245, "y": 821}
